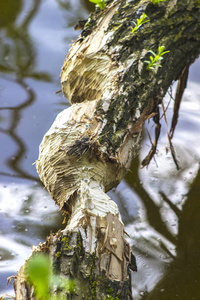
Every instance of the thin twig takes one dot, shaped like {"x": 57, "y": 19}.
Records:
{"x": 153, "y": 149}
{"x": 170, "y": 141}
{"x": 182, "y": 82}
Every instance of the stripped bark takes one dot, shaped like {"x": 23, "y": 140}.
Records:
{"x": 90, "y": 146}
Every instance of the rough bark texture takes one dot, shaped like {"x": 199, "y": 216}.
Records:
{"x": 91, "y": 145}
{"x": 98, "y": 273}
{"x": 125, "y": 89}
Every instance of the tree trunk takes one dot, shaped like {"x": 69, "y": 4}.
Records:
{"x": 90, "y": 146}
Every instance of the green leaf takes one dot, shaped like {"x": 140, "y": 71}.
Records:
{"x": 150, "y": 51}
{"x": 156, "y": 2}
{"x": 143, "y": 16}
{"x": 161, "y": 48}
{"x": 165, "y": 52}
{"x": 100, "y": 3}
{"x": 38, "y": 273}
{"x": 95, "y": 1}
{"x": 133, "y": 29}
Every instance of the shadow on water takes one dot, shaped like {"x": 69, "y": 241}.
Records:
{"x": 152, "y": 210}
{"x": 160, "y": 209}
{"x": 169, "y": 206}
{"x": 182, "y": 278}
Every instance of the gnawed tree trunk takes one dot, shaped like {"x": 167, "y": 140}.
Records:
{"x": 91, "y": 145}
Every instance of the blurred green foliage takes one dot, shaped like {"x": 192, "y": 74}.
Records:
{"x": 39, "y": 274}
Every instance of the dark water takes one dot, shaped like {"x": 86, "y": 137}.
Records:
{"x": 160, "y": 206}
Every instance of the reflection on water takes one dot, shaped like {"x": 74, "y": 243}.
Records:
{"x": 17, "y": 59}
{"x": 27, "y": 215}
{"x": 182, "y": 278}
{"x": 165, "y": 236}
{"x": 159, "y": 205}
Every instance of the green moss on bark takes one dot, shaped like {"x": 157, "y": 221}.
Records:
{"x": 82, "y": 267}
{"x": 172, "y": 26}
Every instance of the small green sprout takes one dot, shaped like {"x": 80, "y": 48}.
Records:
{"x": 156, "y": 2}
{"x": 39, "y": 274}
{"x": 156, "y": 58}
{"x": 101, "y": 3}
{"x": 139, "y": 23}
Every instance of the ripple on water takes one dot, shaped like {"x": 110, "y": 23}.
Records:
{"x": 27, "y": 215}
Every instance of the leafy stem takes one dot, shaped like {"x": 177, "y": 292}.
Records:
{"x": 139, "y": 23}
{"x": 156, "y": 58}
{"x": 101, "y": 3}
